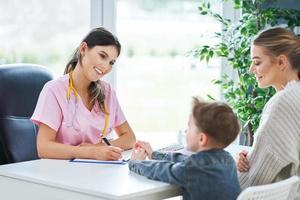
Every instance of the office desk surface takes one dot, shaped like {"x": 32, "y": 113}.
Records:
{"x": 91, "y": 181}
{"x": 60, "y": 179}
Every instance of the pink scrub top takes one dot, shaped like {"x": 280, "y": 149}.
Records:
{"x": 72, "y": 121}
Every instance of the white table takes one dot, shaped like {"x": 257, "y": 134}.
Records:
{"x": 60, "y": 179}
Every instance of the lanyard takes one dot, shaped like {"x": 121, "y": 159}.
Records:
{"x": 71, "y": 88}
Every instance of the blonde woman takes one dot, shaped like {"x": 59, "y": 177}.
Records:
{"x": 275, "y": 153}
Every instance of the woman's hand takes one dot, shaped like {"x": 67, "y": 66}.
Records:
{"x": 144, "y": 145}
{"x": 98, "y": 152}
{"x": 138, "y": 154}
{"x": 243, "y": 163}
{"x": 84, "y": 144}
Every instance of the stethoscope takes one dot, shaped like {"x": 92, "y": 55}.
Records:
{"x": 72, "y": 89}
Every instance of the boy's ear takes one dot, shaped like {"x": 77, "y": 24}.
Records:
{"x": 203, "y": 139}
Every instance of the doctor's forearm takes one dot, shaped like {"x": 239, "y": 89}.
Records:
{"x": 125, "y": 141}
{"x": 61, "y": 151}
{"x": 126, "y": 135}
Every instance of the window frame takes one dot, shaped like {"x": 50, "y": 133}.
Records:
{"x": 103, "y": 13}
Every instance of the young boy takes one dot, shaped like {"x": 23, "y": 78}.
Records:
{"x": 210, "y": 173}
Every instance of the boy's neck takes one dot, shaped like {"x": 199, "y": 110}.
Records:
{"x": 209, "y": 147}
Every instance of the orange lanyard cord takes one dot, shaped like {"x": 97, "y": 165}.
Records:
{"x": 71, "y": 88}
{"x": 106, "y": 122}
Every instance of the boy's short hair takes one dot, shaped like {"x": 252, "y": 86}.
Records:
{"x": 217, "y": 120}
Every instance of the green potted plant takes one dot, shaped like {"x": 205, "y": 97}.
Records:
{"x": 243, "y": 94}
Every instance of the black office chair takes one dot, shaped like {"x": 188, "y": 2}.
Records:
{"x": 20, "y": 86}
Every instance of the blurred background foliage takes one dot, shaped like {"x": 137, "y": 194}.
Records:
{"x": 243, "y": 94}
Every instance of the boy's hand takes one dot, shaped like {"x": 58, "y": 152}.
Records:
{"x": 243, "y": 163}
{"x": 138, "y": 154}
{"x": 144, "y": 145}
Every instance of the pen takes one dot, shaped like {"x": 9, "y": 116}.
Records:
{"x": 108, "y": 144}
{"x": 106, "y": 141}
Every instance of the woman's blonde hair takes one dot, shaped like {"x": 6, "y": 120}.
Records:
{"x": 280, "y": 41}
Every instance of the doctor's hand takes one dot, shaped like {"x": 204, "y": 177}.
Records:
{"x": 106, "y": 152}
{"x": 138, "y": 154}
{"x": 243, "y": 162}
{"x": 144, "y": 145}
{"x": 89, "y": 144}
{"x": 100, "y": 143}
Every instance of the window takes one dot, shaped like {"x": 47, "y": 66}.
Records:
{"x": 155, "y": 77}
{"x": 42, "y": 32}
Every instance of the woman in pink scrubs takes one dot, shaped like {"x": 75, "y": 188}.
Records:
{"x": 77, "y": 110}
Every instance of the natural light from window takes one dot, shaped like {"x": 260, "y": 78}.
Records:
{"x": 42, "y": 32}
{"x": 155, "y": 77}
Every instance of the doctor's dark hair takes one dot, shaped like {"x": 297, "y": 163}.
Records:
{"x": 217, "y": 120}
{"x": 280, "y": 41}
{"x": 96, "y": 37}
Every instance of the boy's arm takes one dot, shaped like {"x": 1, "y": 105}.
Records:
{"x": 173, "y": 157}
{"x": 158, "y": 155}
{"x": 166, "y": 171}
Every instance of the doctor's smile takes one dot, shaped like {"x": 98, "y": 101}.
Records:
{"x": 78, "y": 127}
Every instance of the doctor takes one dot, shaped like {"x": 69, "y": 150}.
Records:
{"x": 76, "y": 111}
